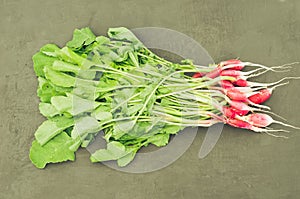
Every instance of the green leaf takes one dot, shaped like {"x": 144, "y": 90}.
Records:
{"x": 66, "y": 54}
{"x": 159, "y": 139}
{"x": 62, "y": 103}
{"x": 45, "y": 90}
{"x": 81, "y": 37}
{"x": 48, "y": 110}
{"x": 59, "y": 78}
{"x": 50, "y": 50}
{"x": 81, "y": 105}
{"x": 56, "y": 150}
{"x": 86, "y": 90}
{"x": 85, "y": 125}
{"x": 120, "y": 98}
{"x": 87, "y": 74}
{"x": 172, "y": 129}
{"x": 123, "y": 52}
{"x": 134, "y": 59}
{"x": 76, "y": 144}
{"x": 187, "y": 61}
{"x": 50, "y": 128}
{"x": 41, "y": 60}
{"x": 73, "y": 104}
{"x": 122, "y": 33}
{"x": 62, "y": 121}
{"x": 114, "y": 151}
{"x": 65, "y": 67}
{"x": 132, "y": 110}
{"x": 125, "y": 160}
{"x": 102, "y": 40}
{"x": 87, "y": 140}
{"x": 102, "y": 115}
{"x": 122, "y": 127}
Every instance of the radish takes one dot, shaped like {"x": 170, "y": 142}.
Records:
{"x": 231, "y": 112}
{"x": 238, "y": 94}
{"x": 221, "y": 72}
{"x": 231, "y": 73}
{"x": 238, "y": 123}
{"x": 230, "y": 61}
{"x": 248, "y": 90}
{"x": 236, "y": 63}
{"x": 215, "y": 73}
{"x": 226, "y": 84}
{"x": 264, "y": 120}
{"x": 246, "y": 125}
{"x": 250, "y": 74}
{"x": 228, "y": 112}
{"x": 233, "y": 64}
{"x": 243, "y": 75}
{"x": 240, "y": 105}
{"x": 263, "y": 95}
{"x": 235, "y": 94}
{"x": 197, "y": 75}
{"x": 241, "y": 82}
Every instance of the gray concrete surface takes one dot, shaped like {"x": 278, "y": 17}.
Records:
{"x": 242, "y": 165}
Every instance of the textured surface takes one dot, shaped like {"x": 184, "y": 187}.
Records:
{"x": 242, "y": 165}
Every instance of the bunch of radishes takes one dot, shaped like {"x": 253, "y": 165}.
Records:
{"x": 244, "y": 98}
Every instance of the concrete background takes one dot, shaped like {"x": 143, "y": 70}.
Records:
{"x": 242, "y": 165}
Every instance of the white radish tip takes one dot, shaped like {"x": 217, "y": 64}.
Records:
{"x": 277, "y": 136}
{"x": 263, "y": 130}
{"x": 284, "y": 124}
{"x": 278, "y": 85}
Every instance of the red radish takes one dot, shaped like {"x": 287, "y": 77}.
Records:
{"x": 238, "y": 123}
{"x": 215, "y": 73}
{"x": 264, "y": 120}
{"x": 231, "y": 73}
{"x": 262, "y": 69}
{"x": 235, "y": 94}
{"x": 285, "y": 66}
{"x": 244, "y": 75}
{"x": 243, "y": 105}
{"x": 259, "y": 119}
{"x": 226, "y": 84}
{"x": 245, "y": 125}
{"x": 241, "y": 82}
{"x": 236, "y": 73}
{"x": 239, "y": 105}
{"x": 241, "y": 112}
{"x": 231, "y": 112}
{"x": 238, "y": 67}
{"x": 230, "y": 61}
{"x": 248, "y": 90}
{"x": 228, "y": 112}
{"x": 197, "y": 75}
{"x": 261, "y": 96}
{"x": 233, "y": 64}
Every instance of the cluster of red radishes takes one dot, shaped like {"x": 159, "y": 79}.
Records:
{"x": 244, "y": 98}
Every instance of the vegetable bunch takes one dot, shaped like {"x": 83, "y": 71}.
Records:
{"x": 243, "y": 109}
{"x": 116, "y": 85}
